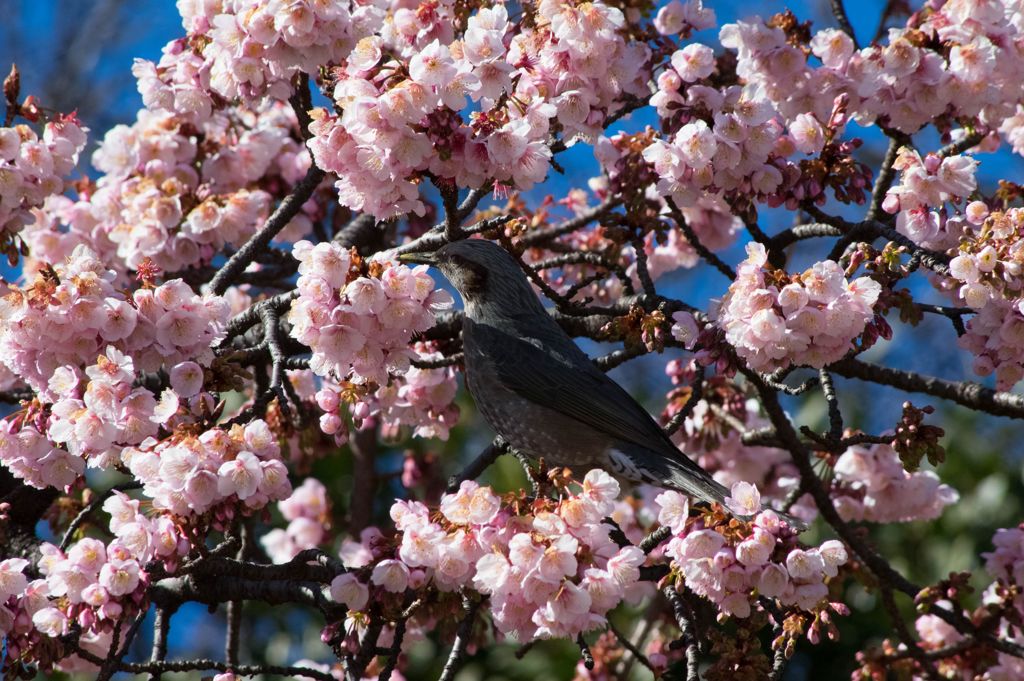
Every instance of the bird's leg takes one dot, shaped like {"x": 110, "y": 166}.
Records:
{"x": 488, "y": 456}
{"x": 536, "y": 481}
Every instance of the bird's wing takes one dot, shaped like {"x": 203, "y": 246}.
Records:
{"x": 571, "y": 385}
{"x": 554, "y": 373}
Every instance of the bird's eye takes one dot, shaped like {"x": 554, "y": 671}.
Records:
{"x": 474, "y": 275}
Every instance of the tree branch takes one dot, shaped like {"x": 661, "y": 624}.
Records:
{"x": 279, "y": 219}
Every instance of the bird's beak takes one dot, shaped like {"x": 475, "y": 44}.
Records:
{"x": 418, "y": 258}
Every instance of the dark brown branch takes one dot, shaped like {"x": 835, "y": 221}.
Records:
{"x": 696, "y": 393}
{"x": 971, "y": 139}
{"x": 302, "y": 102}
{"x": 437, "y": 236}
{"x": 886, "y": 174}
{"x": 809, "y": 230}
{"x": 462, "y": 636}
{"x": 835, "y": 417}
{"x": 954, "y": 314}
{"x": 655, "y": 538}
{"x": 903, "y": 633}
{"x": 161, "y": 629}
{"x": 483, "y": 460}
{"x": 869, "y": 230}
{"x": 839, "y": 12}
{"x": 588, "y": 657}
{"x": 628, "y": 645}
{"x": 966, "y": 393}
{"x": 440, "y": 362}
{"x": 177, "y": 666}
{"x": 540, "y": 236}
{"x": 363, "y": 444}
{"x": 686, "y": 628}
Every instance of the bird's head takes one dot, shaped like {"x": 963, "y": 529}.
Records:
{"x": 484, "y": 273}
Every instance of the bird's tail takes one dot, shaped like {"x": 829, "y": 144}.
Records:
{"x": 688, "y": 477}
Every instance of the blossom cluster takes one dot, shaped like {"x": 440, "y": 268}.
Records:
{"x": 108, "y": 411}
{"x": 986, "y": 275}
{"x": 175, "y": 196}
{"x": 775, "y": 320}
{"x": 33, "y": 168}
{"x": 872, "y": 485}
{"x": 709, "y": 437}
{"x": 72, "y": 311}
{"x": 944, "y": 61}
{"x": 569, "y": 69}
{"x": 91, "y": 586}
{"x": 421, "y": 398}
{"x": 728, "y": 138}
{"x": 307, "y": 511}
{"x": 926, "y": 184}
{"x": 732, "y": 154}
{"x": 729, "y": 565}
{"x": 246, "y": 49}
{"x": 215, "y": 474}
{"x": 359, "y": 324}
{"x": 550, "y": 569}
{"x": 28, "y": 454}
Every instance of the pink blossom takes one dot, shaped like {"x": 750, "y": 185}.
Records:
{"x": 347, "y": 589}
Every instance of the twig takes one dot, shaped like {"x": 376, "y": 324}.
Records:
{"x": 161, "y": 628}
{"x": 462, "y": 635}
{"x": 691, "y": 237}
{"x": 84, "y": 514}
{"x": 272, "y": 340}
{"x": 483, "y": 460}
{"x": 232, "y": 638}
{"x": 966, "y": 393}
{"x": 116, "y": 655}
{"x": 809, "y": 230}
{"x": 954, "y": 314}
{"x": 696, "y": 393}
{"x": 279, "y": 219}
{"x": 887, "y": 172}
{"x": 301, "y": 102}
{"x": 618, "y": 357}
{"x": 971, "y": 139}
{"x": 642, "y": 272}
{"x": 538, "y": 237}
{"x": 364, "y": 447}
{"x": 898, "y": 623}
{"x": 873, "y": 229}
{"x": 779, "y": 661}
{"x": 835, "y": 417}
{"x": 839, "y": 12}
{"x": 437, "y": 237}
{"x": 243, "y": 321}
{"x": 439, "y": 362}
{"x": 652, "y": 540}
{"x": 628, "y": 645}
{"x": 173, "y": 666}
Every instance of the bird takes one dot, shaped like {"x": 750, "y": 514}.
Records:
{"x": 540, "y": 392}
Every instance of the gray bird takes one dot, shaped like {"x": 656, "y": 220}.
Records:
{"x": 540, "y": 392}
